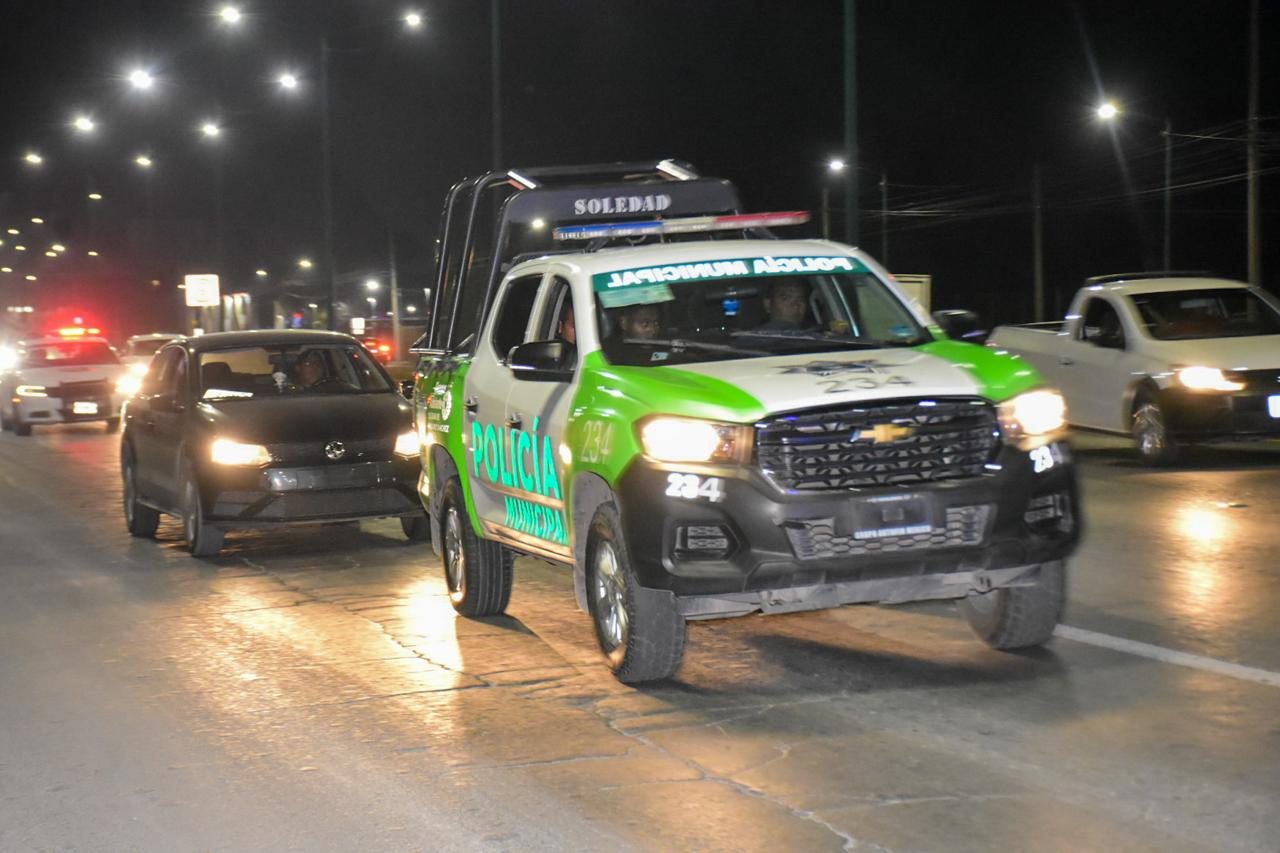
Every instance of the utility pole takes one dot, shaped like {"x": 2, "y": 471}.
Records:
{"x": 1254, "y": 213}
{"x": 1037, "y": 243}
{"x": 395, "y": 294}
{"x": 884, "y": 219}
{"x": 326, "y": 149}
{"x": 826, "y": 211}
{"x": 495, "y": 75}
{"x": 850, "y": 123}
{"x": 1168, "y": 195}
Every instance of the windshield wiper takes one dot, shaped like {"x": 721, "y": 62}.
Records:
{"x": 808, "y": 338}
{"x": 684, "y": 343}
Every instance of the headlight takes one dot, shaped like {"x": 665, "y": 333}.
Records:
{"x": 407, "y": 444}
{"x": 128, "y": 385}
{"x": 228, "y": 452}
{"x": 32, "y": 391}
{"x": 8, "y": 358}
{"x": 687, "y": 440}
{"x": 1033, "y": 415}
{"x": 1207, "y": 379}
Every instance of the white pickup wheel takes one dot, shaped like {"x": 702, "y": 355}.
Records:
{"x": 478, "y": 572}
{"x": 640, "y": 631}
{"x": 1151, "y": 433}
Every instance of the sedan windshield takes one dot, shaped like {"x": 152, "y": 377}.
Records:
{"x": 272, "y": 371}
{"x": 747, "y": 308}
{"x": 1181, "y": 315}
{"x": 70, "y": 354}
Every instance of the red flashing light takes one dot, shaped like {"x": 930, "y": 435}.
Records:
{"x": 78, "y": 331}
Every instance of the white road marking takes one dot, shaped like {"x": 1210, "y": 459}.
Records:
{"x": 1160, "y": 653}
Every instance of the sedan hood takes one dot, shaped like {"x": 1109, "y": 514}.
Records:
{"x": 308, "y": 418}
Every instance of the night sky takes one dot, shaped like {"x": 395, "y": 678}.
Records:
{"x": 958, "y": 102}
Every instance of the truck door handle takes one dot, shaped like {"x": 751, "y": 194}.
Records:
{"x": 471, "y": 404}
{"x": 515, "y": 420}
{"x": 1066, "y": 360}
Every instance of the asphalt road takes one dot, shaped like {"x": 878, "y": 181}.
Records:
{"x": 313, "y": 690}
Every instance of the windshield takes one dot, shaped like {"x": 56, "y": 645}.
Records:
{"x": 69, "y": 354}
{"x": 1181, "y": 315}
{"x": 147, "y": 348}
{"x": 273, "y": 371}
{"x": 717, "y": 310}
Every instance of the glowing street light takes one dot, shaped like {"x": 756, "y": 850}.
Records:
{"x": 143, "y": 161}
{"x": 1107, "y": 110}
{"x": 83, "y": 124}
{"x": 210, "y": 130}
{"x": 305, "y": 263}
{"x": 140, "y": 78}
{"x": 230, "y": 15}
{"x": 51, "y": 254}
{"x": 837, "y": 165}
{"x": 91, "y": 253}
{"x": 29, "y": 277}
{"x": 95, "y": 196}
{"x": 413, "y": 20}
{"x": 260, "y": 273}
{"x": 288, "y": 81}
{"x": 371, "y": 284}
{"x": 36, "y": 220}
{"x": 58, "y": 247}
{"x": 19, "y": 248}
{"x": 32, "y": 158}
{"x": 14, "y": 231}
{"x": 412, "y": 309}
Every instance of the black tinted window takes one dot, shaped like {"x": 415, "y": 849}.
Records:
{"x": 514, "y": 313}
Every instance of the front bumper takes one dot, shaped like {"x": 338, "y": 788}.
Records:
{"x": 59, "y": 410}
{"x": 254, "y": 497}
{"x": 747, "y": 538}
{"x": 1206, "y": 416}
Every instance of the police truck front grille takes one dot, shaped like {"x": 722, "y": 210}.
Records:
{"x": 816, "y": 539}
{"x": 877, "y": 444}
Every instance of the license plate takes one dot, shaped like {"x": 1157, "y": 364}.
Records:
{"x": 1273, "y": 405}
{"x": 80, "y": 407}
{"x": 892, "y": 517}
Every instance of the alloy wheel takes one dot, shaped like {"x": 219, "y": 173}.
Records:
{"x": 454, "y": 559}
{"x": 610, "y": 594}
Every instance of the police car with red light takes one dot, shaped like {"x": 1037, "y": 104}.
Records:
{"x": 69, "y": 376}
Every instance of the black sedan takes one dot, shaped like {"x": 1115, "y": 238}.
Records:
{"x": 241, "y": 430}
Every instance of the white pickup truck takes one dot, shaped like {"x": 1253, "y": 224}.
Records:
{"x": 1168, "y": 360}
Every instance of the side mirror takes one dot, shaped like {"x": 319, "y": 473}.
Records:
{"x": 542, "y": 361}
{"x": 961, "y": 325}
{"x": 167, "y": 403}
{"x": 406, "y": 388}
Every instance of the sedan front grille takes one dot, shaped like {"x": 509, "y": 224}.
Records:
{"x": 97, "y": 389}
{"x": 878, "y": 444}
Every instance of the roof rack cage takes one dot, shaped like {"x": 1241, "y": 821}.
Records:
{"x": 490, "y": 220}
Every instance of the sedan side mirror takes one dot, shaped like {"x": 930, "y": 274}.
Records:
{"x": 961, "y": 325}
{"x": 406, "y": 388}
{"x": 542, "y": 361}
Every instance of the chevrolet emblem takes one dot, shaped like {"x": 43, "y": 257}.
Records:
{"x": 884, "y": 433}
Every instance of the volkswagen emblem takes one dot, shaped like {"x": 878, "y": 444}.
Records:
{"x": 335, "y": 450}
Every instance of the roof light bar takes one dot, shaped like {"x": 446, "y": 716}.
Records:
{"x": 675, "y": 170}
{"x": 685, "y": 225}
{"x": 521, "y": 181}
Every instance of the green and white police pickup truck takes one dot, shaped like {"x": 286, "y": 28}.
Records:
{"x": 627, "y": 376}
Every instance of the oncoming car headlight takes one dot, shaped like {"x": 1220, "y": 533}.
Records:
{"x": 1033, "y": 417}
{"x": 407, "y": 444}
{"x": 227, "y": 452}
{"x": 668, "y": 439}
{"x": 129, "y": 384}
{"x": 1207, "y": 379}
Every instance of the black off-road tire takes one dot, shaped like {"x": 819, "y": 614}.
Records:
{"x": 203, "y": 539}
{"x": 477, "y": 572}
{"x": 417, "y": 528}
{"x": 141, "y": 520}
{"x": 640, "y": 631}
{"x": 20, "y": 427}
{"x": 5, "y": 425}
{"x": 1150, "y": 429}
{"x": 112, "y": 424}
{"x": 1019, "y": 617}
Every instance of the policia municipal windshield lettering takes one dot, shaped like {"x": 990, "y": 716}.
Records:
{"x": 522, "y": 465}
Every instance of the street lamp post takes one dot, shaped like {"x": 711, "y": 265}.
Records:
{"x": 1110, "y": 112}
{"x": 834, "y": 167}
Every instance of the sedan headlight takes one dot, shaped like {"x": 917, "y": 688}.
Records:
{"x": 32, "y": 391}
{"x": 686, "y": 440}
{"x": 407, "y": 444}
{"x": 1207, "y": 379}
{"x": 1033, "y": 417}
{"x": 129, "y": 384}
{"x": 139, "y": 368}
{"x": 227, "y": 452}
